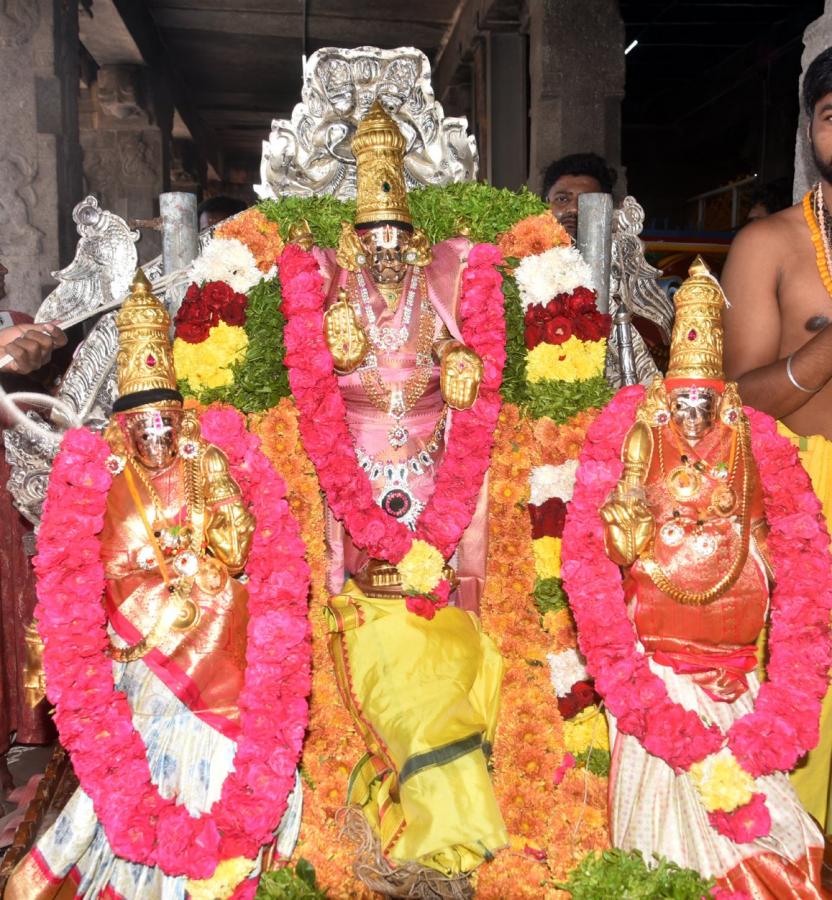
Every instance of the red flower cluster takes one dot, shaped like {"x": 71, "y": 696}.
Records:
{"x": 581, "y": 695}
{"x": 548, "y": 519}
{"x": 564, "y": 316}
{"x": 204, "y": 307}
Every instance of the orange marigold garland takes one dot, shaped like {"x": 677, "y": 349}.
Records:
{"x": 529, "y": 746}
{"x": 329, "y": 751}
{"x": 259, "y": 234}
{"x": 533, "y": 235}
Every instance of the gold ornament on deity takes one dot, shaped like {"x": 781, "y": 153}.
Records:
{"x": 345, "y": 336}
{"x": 696, "y": 342}
{"x": 145, "y": 360}
{"x": 684, "y": 482}
{"x": 381, "y": 191}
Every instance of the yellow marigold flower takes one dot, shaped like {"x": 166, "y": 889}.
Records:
{"x": 421, "y": 567}
{"x": 721, "y": 782}
{"x": 228, "y": 874}
{"x": 587, "y": 729}
{"x": 208, "y": 365}
{"x": 573, "y": 360}
{"x": 547, "y": 557}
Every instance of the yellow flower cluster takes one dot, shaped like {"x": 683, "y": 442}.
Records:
{"x": 573, "y": 360}
{"x": 421, "y": 567}
{"x": 721, "y": 782}
{"x": 587, "y": 729}
{"x": 547, "y": 557}
{"x": 208, "y": 365}
{"x": 228, "y": 874}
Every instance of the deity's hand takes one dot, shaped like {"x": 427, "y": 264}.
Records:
{"x": 345, "y": 338}
{"x": 460, "y": 375}
{"x": 230, "y": 526}
{"x": 628, "y": 526}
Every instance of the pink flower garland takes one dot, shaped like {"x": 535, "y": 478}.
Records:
{"x": 323, "y": 424}
{"x": 784, "y": 723}
{"x": 94, "y": 720}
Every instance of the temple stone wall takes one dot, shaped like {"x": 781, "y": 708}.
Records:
{"x": 576, "y": 71}
{"x": 40, "y": 176}
{"x": 816, "y": 38}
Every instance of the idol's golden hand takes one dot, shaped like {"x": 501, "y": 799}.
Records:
{"x": 230, "y": 526}
{"x": 628, "y": 527}
{"x": 460, "y": 374}
{"x": 345, "y": 338}
{"x": 34, "y": 679}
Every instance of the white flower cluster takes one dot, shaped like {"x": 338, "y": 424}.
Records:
{"x": 557, "y": 271}
{"x": 553, "y": 481}
{"x": 566, "y": 669}
{"x": 228, "y": 260}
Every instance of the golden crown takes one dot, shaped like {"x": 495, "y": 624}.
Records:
{"x": 696, "y": 342}
{"x": 381, "y": 192}
{"x": 144, "y": 365}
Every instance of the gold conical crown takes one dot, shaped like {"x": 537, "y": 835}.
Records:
{"x": 696, "y": 343}
{"x": 144, "y": 365}
{"x": 381, "y": 192}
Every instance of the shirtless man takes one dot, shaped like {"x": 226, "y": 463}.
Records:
{"x": 778, "y": 343}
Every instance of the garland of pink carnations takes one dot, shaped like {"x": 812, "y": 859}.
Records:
{"x": 326, "y": 436}
{"x": 94, "y": 720}
{"x": 784, "y": 723}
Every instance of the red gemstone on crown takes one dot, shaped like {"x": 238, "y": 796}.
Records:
{"x": 151, "y": 360}
{"x": 692, "y": 334}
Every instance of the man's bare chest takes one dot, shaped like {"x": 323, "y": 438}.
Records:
{"x": 805, "y": 304}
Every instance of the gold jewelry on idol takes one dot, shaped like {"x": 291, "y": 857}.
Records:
{"x": 696, "y": 342}
{"x": 145, "y": 358}
{"x": 381, "y": 191}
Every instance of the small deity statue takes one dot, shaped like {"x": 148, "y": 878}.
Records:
{"x": 175, "y": 538}
{"x": 423, "y": 693}
{"x": 686, "y": 523}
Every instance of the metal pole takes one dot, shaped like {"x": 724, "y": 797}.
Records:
{"x": 180, "y": 241}
{"x": 622, "y": 325}
{"x": 595, "y": 241}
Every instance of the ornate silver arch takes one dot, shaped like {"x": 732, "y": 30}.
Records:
{"x": 311, "y": 153}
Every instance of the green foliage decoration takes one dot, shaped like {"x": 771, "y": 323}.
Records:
{"x": 597, "y": 761}
{"x": 549, "y": 595}
{"x": 299, "y": 883}
{"x": 562, "y": 400}
{"x": 628, "y": 876}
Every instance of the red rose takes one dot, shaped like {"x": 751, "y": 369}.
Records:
{"x": 536, "y": 315}
{"x": 548, "y": 518}
{"x": 556, "y": 307}
{"x": 592, "y": 326}
{"x": 568, "y": 706}
{"x": 216, "y": 294}
{"x": 192, "y": 332}
{"x": 193, "y": 293}
{"x": 234, "y": 312}
{"x": 421, "y": 606}
{"x": 533, "y": 337}
{"x": 557, "y": 330}
{"x": 584, "y": 694}
{"x": 581, "y": 300}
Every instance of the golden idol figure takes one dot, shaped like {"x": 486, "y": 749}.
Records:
{"x": 686, "y": 524}
{"x": 176, "y": 535}
{"x": 423, "y": 694}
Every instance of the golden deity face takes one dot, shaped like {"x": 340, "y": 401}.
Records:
{"x": 386, "y": 248}
{"x": 154, "y": 435}
{"x": 693, "y": 411}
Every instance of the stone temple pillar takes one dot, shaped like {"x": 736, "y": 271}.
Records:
{"x": 817, "y": 37}
{"x": 40, "y": 179}
{"x": 576, "y": 69}
{"x": 126, "y": 120}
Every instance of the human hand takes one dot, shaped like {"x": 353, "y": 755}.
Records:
{"x": 30, "y": 346}
{"x": 460, "y": 374}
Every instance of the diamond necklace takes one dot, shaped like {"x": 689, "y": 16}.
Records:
{"x": 388, "y": 339}
{"x": 400, "y": 399}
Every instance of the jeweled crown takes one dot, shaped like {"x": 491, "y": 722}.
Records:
{"x": 145, "y": 360}
{"x": 381, "y": 191}
{"x": 696, "y": 342}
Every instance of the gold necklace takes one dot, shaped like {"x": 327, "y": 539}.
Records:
{"x": 701, "y": 598}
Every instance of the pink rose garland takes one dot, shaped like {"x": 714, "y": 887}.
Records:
{"x": 330, "y": 444}
{"x": 94, "y": 720}
{"x": 784, "y": 723}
